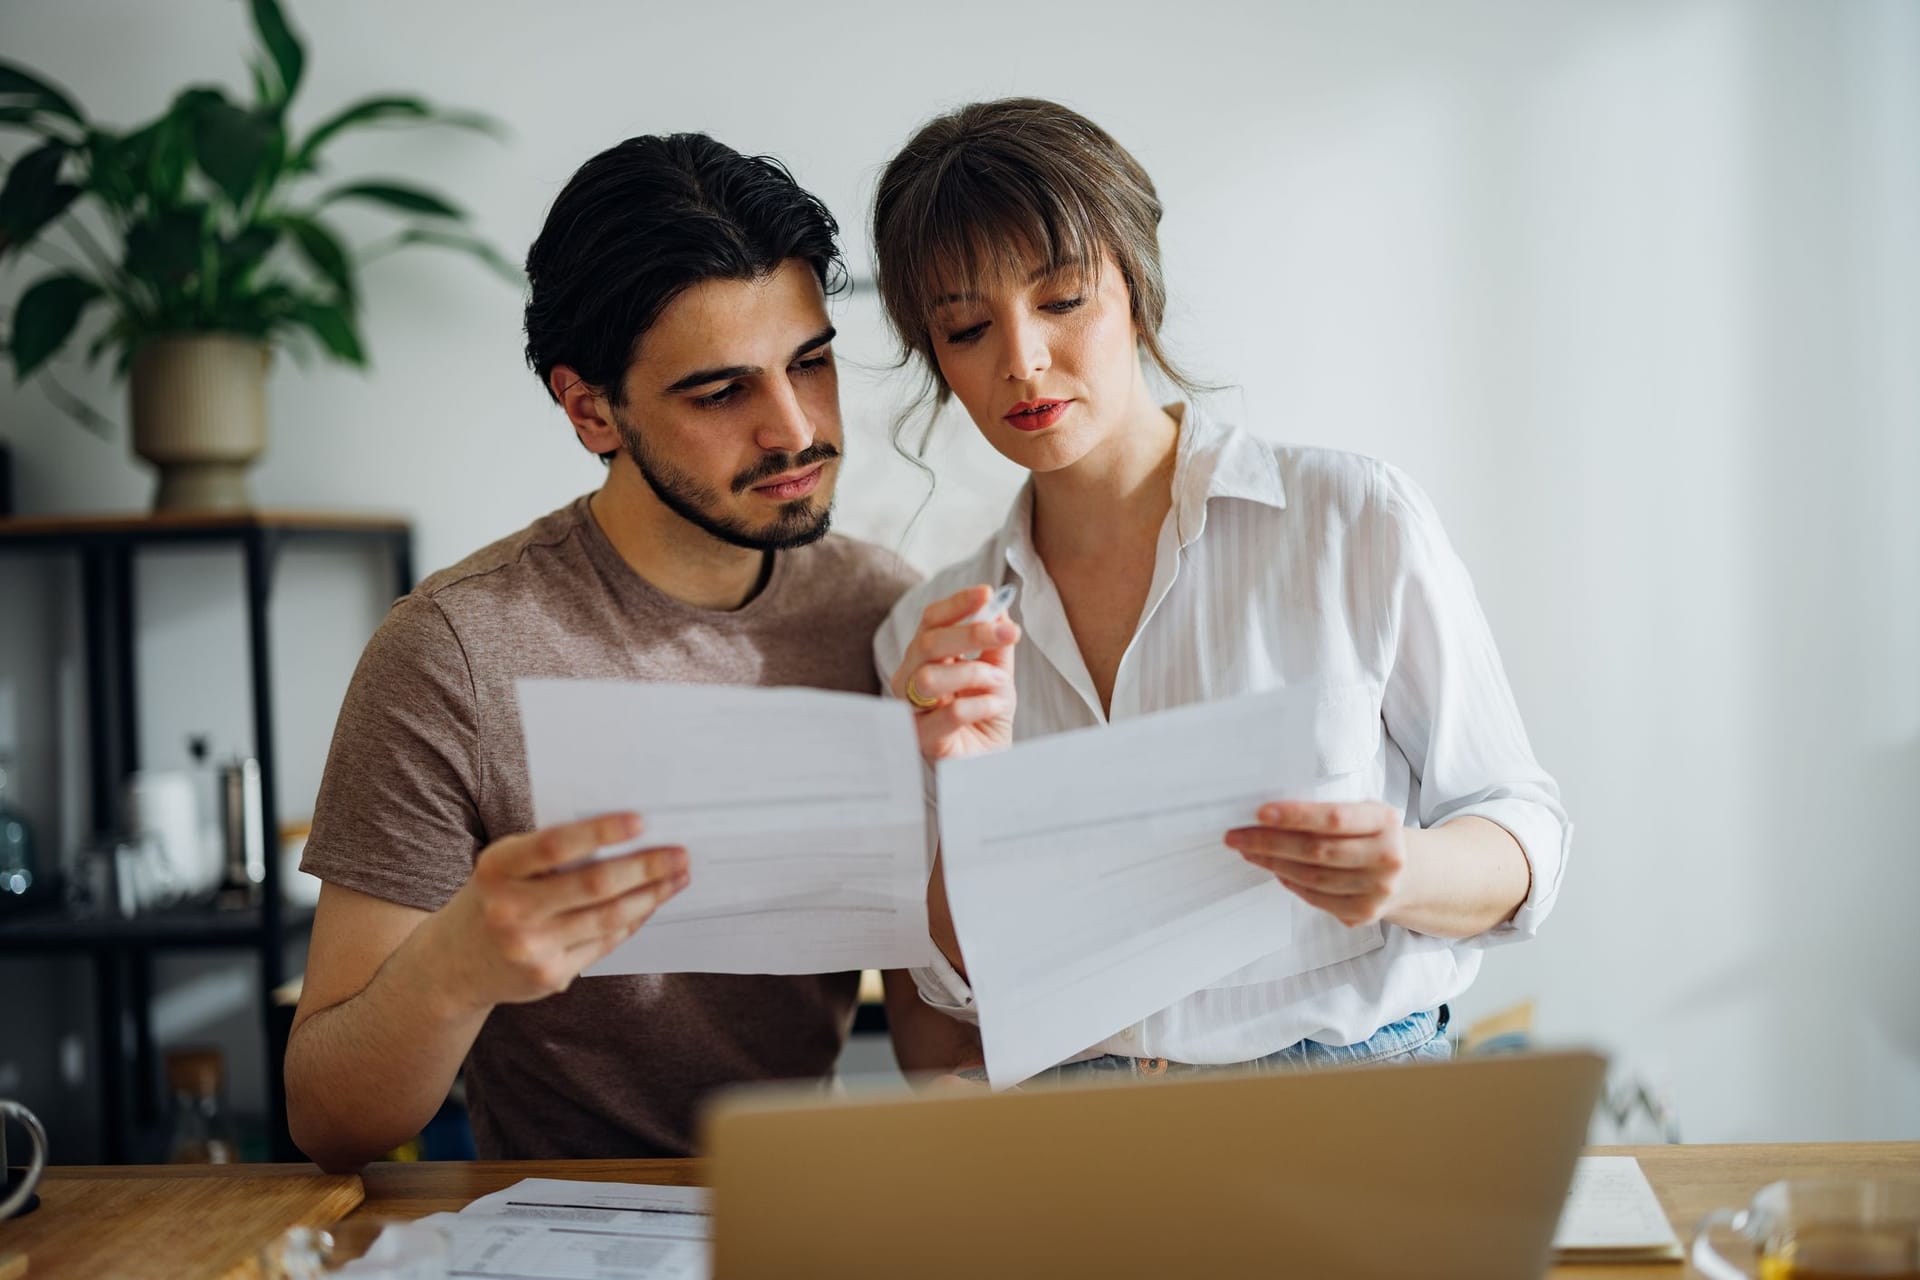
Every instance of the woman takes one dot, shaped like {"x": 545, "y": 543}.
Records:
{"x": 1164, "y": 558}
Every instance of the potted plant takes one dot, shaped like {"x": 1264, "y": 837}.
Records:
{"x": 196, "y": 245}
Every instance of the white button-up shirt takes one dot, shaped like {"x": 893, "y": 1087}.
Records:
{"x": 1290, "y": 567}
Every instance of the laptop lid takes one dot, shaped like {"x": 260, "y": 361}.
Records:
{"x": 1438, "y": 1170}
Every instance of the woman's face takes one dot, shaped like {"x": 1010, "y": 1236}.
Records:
{"x": 1049, "y": 371}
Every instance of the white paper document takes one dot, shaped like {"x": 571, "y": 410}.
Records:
{"x": 1088, "y": 875}
{"x": 552, "y": 1229}
{"x": 1612, "y": 1213}
{"x": 801, "y": 811}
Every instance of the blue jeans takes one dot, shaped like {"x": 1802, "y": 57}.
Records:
{"x": 1419, "y": 1037}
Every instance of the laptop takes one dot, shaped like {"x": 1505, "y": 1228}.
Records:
{"x": 1442, "y": 1170}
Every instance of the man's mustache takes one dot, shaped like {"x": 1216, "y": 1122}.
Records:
{"x": 774, "y": 464}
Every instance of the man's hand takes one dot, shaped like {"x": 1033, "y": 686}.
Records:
{"x": 1346, "y": 859}
{"x": 959, "y": 680}
{"x": 395, "y": 996}
{"x": 534, "y": 913}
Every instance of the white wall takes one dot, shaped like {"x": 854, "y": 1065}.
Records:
{"x": 1629, "y": 284}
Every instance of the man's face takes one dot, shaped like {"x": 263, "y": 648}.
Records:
{"x": 732, "y": 409}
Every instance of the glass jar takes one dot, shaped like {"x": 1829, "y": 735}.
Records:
{"x": 202, "y": 1130}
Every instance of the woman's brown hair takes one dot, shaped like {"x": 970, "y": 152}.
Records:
{"x": 986, "y": 191}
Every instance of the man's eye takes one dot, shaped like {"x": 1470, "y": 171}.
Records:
{"x": 964, "y": 336}
{"x": 813, "y": 364}
{"x": 718, "y": 398}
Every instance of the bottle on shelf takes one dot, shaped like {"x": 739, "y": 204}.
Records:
{"x": 243, "y": 833}
{"x": 202, "y": 1129}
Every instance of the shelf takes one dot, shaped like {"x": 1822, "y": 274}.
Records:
{"x": 130, "y": 528}
{"x": 186, "y": 927}
{"x": 121, "y": 951}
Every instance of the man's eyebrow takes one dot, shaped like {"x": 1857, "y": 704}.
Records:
{"x": 1034, "y": 277}
{"x": 701, "y": 377}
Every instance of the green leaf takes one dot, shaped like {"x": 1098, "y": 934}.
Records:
{"x": 462, "y": 243}
{"x": 232, "y": 145}
{"x": 45, "y": 318}
{"x": 165, "y": 249}
{"x": 282, "y": 44}
{"x": 323, "y": 249}
{"x": 365, "y": 111}
{"x": 27, "y": 200}
{"x": 394, "y": 195}
{"x": 377, "y": 110}
{"x": 64, "y": 194}
{"x": 335, "y": 328}
{"x": 265, "y": 92}
{"x": 245, "y": 251}
{"x": 17, "y": 82}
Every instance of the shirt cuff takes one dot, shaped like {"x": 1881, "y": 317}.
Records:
{"x": 1544, "y": 839}
{"x": 942, "y": 987}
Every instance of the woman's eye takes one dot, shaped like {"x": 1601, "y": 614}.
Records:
{"x": 717, "y": 398}
{"x": 1064, "y": 305}
{"x": 963, "y": 336}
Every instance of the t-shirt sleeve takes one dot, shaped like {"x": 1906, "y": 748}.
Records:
{"x": 398, "y": 814}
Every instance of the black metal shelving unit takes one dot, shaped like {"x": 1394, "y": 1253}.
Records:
{"x": 121, "y": 951}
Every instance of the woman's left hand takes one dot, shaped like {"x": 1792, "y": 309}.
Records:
{"x": 1348, "y": 859}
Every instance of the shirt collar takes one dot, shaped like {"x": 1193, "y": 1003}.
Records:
{"x": 1211, "y": 460}
{"x": 1215, "y": 460}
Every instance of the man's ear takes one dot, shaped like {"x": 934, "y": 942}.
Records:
{"x": 586, "y": 408}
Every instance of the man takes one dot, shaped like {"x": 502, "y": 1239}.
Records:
{"x": 677, "y": 314}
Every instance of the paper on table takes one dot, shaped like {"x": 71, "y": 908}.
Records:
{"x": 801, "y": 811}
{"x": 1087, "y": 874}
{"x": 1612, "y": 1213}
{"x": 555, "y": 1229}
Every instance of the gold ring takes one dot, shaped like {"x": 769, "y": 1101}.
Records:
{"x": 920, "y": 700}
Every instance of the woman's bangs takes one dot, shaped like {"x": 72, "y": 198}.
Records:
{"x": 982, "y": 238}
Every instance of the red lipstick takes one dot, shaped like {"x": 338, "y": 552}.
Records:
{"x": 1036, "y": 415}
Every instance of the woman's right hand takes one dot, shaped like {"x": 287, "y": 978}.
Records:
{"x": 959, "y": 679}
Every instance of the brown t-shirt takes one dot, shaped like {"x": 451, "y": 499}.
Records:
{"x": 427, "y": 767}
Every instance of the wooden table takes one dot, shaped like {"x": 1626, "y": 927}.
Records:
{"x": 82, "y": 1230}
{"x": 161, "y": 1221}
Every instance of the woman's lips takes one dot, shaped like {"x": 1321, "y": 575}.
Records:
{"x": 796, "y": 487}
{"x": 1036, "y": 415}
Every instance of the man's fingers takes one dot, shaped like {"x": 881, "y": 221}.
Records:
{"x": 542, "y": 851}
{"x": 604, "y": 881}
{"x": 603, "y": 927}
{"x": 599, "y": 929}
{"x": 1329, "y": 818}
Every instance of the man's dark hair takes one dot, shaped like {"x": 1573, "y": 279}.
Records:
{"x": 646, "y": 219}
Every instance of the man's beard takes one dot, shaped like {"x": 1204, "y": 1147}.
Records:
{"x": 798, "y": 522}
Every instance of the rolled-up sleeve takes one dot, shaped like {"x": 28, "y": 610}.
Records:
{"x": 1448, "y": 705}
